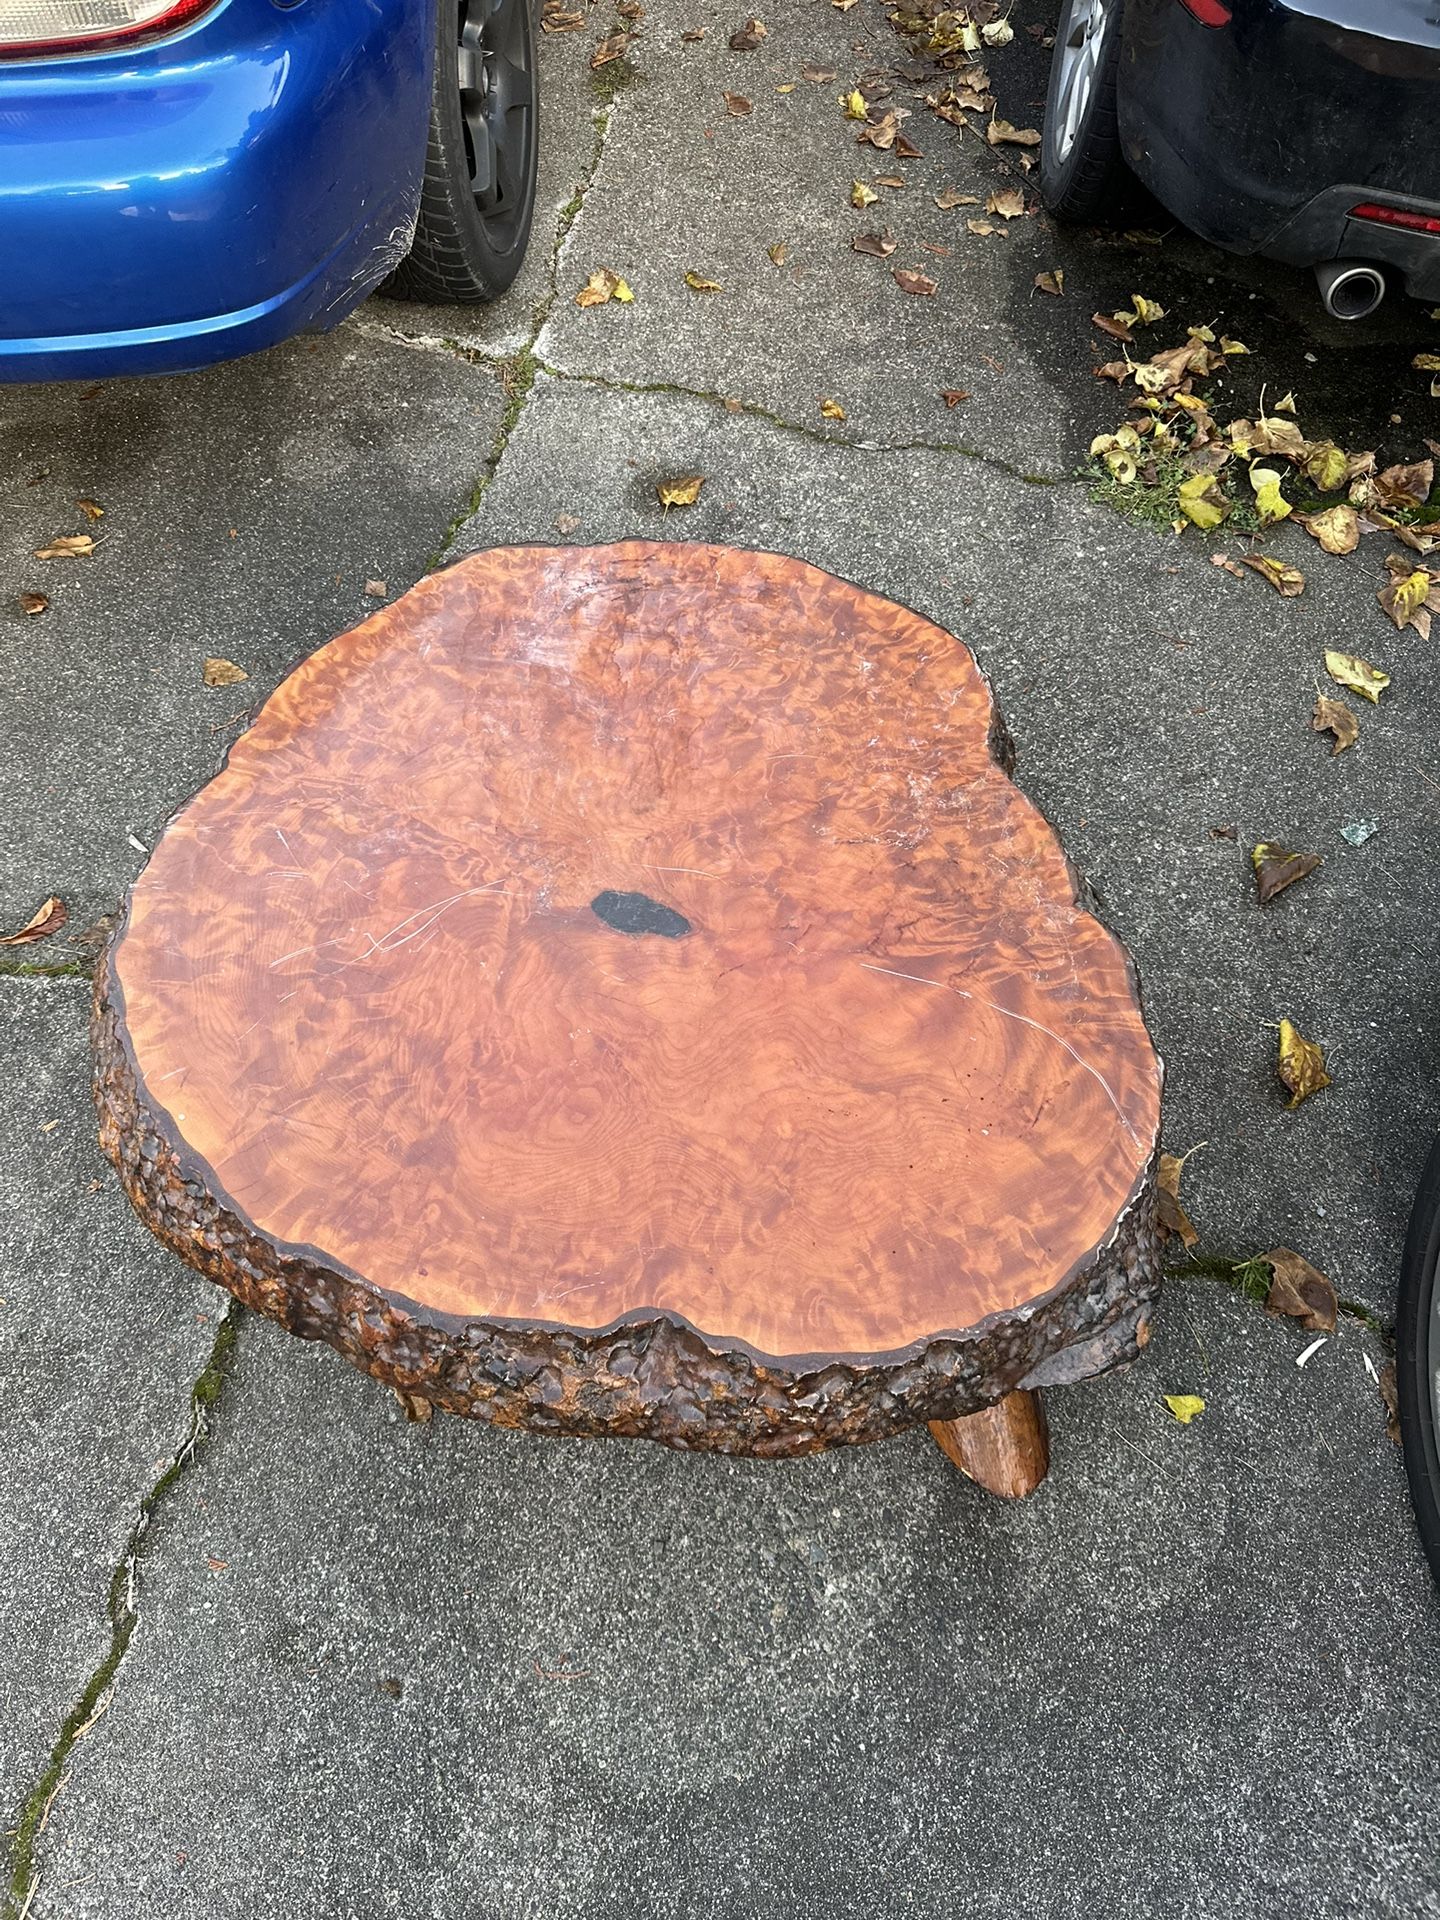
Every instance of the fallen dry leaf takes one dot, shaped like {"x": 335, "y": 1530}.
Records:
{"x": 1300, "y": 1064}
{"x": 878, "y": 245}
{"x": 697, "y": 283}
{"x": 1349, "y": 670}
{"x": 737, "y": 106}
{"x": 1184, "y": 1406}
{"x": 1051, "y": 282}
{"x": 982, "y": 227}
{"x": 1172, "y": 1216}
{"x": 1336, "y": 528}
{"x": 952, "y": 197}
{"x": 376, "y": 589}
{"x": 681, "y": 492}
{"x": 894, "y": 180}
{"x": 567, "y": 522}
{"x": 604, "y": 284}
{"x": 33, "y": 603}
{"x": 45, "y": 920}
{"x": 91, "y": 509}
{"x": 952, "y": 396}
{"x": 832, "y": 410}
{"x": 1299, "y": 1291}
{"x": 1000, "y": 132}
{"x": 779, "y": 253}
{"x": 1333, "y": 716}
{"x": 612, "y": 47}
{"x": 1390, "y": 1394}
{"x": 854, "y": 105}
{"x": 1286, "y": 580}
{"x": 694, "y": 33}
{"x": 222, "y": 673}
{"x": 1230, "y": 566}
{"x": 1278, "y": 867}
{"x": 861, "y": 195}
{"x": 819, "y": 75}
{"x": 1405, "y": 486}
{"x": 1008, "y": 205}
{"x": 66, "y": 546}
{"x": 910, "y": 282}
{"x": 745, "y": 39}
{"x": 1409, "y": 595}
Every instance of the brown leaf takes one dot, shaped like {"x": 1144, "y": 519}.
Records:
{"x": 952, "y": 396}
{"x": 612, "y": 47}
{"x": 91, "y": 509}
{"x": 737, "y": 106}
{"x": 745, "y": 39}
{"x": 45, "y": 920}
{"x": 1390, "y": 1394}
{"x": 1336, "y": 528}
{"x": 832, "y": 410}
{"x": 981, "y": 227}
{"x": 1299, "y": 1291}
{"x": 33, "y": 603}
{"x": 603, "y": 285}
{"x": 1300, "y": 1064}
{"x": 818, "y": 75}
{"x": 909, "y": 282}
{"x": 376, "y": 589}
{"x": 952, "y": 197}
{"x": 895, "y": 180}
{"x": 779, "y": 253}
{"x": 1405, "y": 486}
{"x": 1286, "y": 580}
{"x": 878, "y": 245}
{"x": 556, "y": 18}
{"x": 906, "y": 148}
{"x": 999, "y": 132}
{"x": 694, "y": 33}
{"x": 1172, "y": 1216}
{"x": 1116, "y": 329}
{"x": 66, "y": 546}
{"x": 222, "y": 673}
{"x": 1052, "y": 282}
{"x": 1007, "y": 205}
{"x": 1230, "y": 566}
{"x": 415, "y": 1406}
{"x": 681, "y": 492}
{"x": 1333, "y": 716}
{"x": 1278, "y": 867}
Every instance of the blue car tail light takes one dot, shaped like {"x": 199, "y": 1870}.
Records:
{"x": 31, "y": 29}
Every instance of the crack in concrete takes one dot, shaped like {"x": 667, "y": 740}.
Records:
{"x": 123, "y": 1610}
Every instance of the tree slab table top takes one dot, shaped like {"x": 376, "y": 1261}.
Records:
{"x": 621, "y": 990}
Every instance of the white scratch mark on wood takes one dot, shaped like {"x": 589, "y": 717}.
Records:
{"x": 1009, "y": 1014}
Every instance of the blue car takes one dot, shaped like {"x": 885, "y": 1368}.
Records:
{"x": 182, "y": 181}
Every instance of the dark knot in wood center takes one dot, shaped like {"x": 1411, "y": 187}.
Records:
{"x": 638, "y": 913}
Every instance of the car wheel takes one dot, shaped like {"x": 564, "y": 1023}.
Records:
{"x": 1083, "y": 175}
{"x": 478, "y": 195}
{"x": 1417, "y": 1357}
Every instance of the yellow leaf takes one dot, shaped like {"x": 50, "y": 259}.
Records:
{"x": 1405, "y": 593}
{"x": 1202, "y": 502}
{"x": 1287, "y": 581}
{"x": 223, "y": 673}
{"x": 66, "y": 546}
{"x": 861, "y": 195}
{"x": 683, "y": 492}
{"x": 1349, "y": 670}
{"x": 1327, "y": 466}
{"x": 832, "y": 410}
{"x": 1052, "y": 282}
{"x": 1287, "y": 405}
{"x": 1270, "y": 503}
{"x": 1426, "y": 363}
{"x": 93, "y": 510}
{"x": 697, "y": 283}
{"x": 1184, "y": 1406}
{"x": 855, "y": 105}
{"x": 602, "y": 286}
{"x": 623, "y": 293}
{"x": 999, "y": 33}
{"x": 1232, "y": 346}
{"x": 1300, "y": 1064}
{"x": 1141, "y": 312}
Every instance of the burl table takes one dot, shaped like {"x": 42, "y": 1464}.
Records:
{"x": 620, "y": 990}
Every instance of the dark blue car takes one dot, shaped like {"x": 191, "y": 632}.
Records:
{"x": 186, "y": 180}
{"x": 1302, "y": 130}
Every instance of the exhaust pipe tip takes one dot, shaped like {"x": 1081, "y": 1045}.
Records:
{"x": 1350, "y": 289}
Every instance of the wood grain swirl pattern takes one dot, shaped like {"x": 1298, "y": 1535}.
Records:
{"x": 620, "y": 990}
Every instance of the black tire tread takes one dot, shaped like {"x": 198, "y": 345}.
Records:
{"x": 1412, "y": 1367}
{"x": 1099, "y": 189}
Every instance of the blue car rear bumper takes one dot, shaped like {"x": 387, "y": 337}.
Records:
{"x": 209, "y": 194}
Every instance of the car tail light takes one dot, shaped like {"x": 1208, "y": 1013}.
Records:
{"x": 1210, "y": 13}
{"x": 1395, "y": 217}
{"x": 29, "y": 28}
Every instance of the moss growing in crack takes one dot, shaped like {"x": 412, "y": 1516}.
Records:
{"x": 612, "y": 79}
{"x": 205, "y": 1392}
{"x": 46, "y": 969}
{"x": 517, "y": 377}
{"x": 1156, "y": 503}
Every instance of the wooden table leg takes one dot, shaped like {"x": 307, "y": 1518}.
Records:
{"x": 1004, "y": 1448}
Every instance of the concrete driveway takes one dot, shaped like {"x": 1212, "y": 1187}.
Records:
{"x": 269, "y": 1648}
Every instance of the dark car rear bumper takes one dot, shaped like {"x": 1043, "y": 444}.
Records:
{"x": 1261, "y": 136}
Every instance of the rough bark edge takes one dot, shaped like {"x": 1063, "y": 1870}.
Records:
{"x": 652, "y": 1377}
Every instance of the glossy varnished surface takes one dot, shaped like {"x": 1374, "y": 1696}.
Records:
{"x": 644, "y": 929}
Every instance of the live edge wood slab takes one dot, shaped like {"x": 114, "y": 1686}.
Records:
{"x": 620, "y": 990}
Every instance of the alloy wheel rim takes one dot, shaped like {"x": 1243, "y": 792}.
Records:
{"x": 495, "y": 66}
{"x": 1079, "y": 50}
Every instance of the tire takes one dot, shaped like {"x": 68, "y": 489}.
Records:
{"x": 1417, "y": 1358}
{"x": 1083, "y": 175}
{"x": 478, "y": 193}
